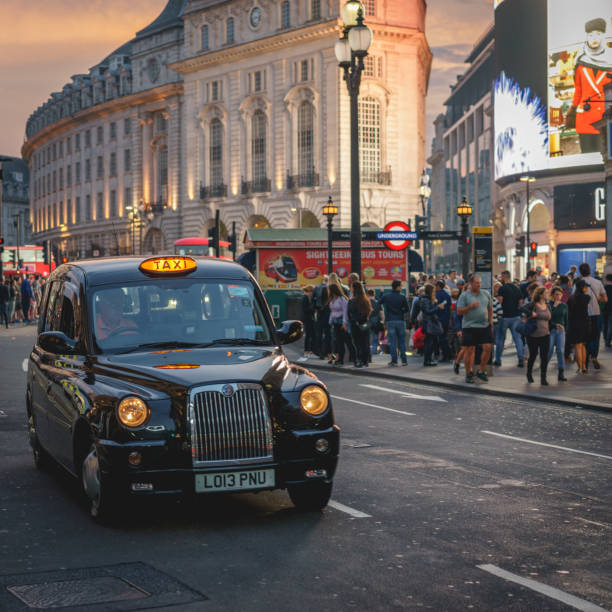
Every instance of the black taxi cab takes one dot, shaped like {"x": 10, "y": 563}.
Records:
{"x": 166, "y": 376}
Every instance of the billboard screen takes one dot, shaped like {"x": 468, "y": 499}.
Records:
{"x": 554, "y": 58}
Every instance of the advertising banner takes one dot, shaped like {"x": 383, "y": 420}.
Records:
{"x": 293, "y": 268}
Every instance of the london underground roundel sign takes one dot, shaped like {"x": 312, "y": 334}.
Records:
{"x": 397, "y": 226}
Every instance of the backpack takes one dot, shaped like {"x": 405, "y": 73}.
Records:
{"x": 318, "y": 299}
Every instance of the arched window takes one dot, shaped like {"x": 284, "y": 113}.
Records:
{"x": 285, "y": 14}
{"x": 229, "y": 31}
{"x": 216, "y": 154}
{"x": 305, "y": 145}
{"x": 369, "y": 140}
{"x": 258, "y": 151}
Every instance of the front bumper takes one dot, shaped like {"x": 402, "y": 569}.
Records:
{"x": 167, "y": 473}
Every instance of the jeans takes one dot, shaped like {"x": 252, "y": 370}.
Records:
{"x": 557, "y": 341}
{"x": 4, "y": 313}
{"x": 373, "y": 342}
{"x": 338, "y": 340}
{"x": 430, "y": 342}
{"x": 592, "y": 346}
{"x": 25, "y": 307}
{"x": 322, "y": 343}
{"x": 500, "y": 337}
{"x": 309, "y": 326}
{"x": 397, "y": 335}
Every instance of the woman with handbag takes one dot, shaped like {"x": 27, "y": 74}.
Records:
{"x": 338, "y": 321}
{"x": 578, "y": 323}
{"x": 358, "y": 312}
{"x": 539, "y": 337}
{"x": 431, "y": 325}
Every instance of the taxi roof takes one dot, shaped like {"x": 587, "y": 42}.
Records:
{"x": 106, "y": 270}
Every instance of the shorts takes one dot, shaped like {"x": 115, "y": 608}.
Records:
{"x": 473, "y": 336}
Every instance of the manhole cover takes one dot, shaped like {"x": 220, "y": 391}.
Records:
{"x": 76, "y": 592}
{"x": 112, "y": 588}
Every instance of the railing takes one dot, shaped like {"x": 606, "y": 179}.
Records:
{"x": 380, "y": 178}
{"x": 259, "y": 186}
{"x": 213, "y": 191}
{"x": 310, "y": 179}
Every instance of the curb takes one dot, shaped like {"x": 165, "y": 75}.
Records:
{"x": 482, "y": 390}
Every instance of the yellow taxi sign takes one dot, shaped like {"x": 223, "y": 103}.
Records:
{"x": 167, "y": 266}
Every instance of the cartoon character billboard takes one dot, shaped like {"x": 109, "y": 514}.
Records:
{"x": 549, "y": 89}
{"x": 294, "y": 268}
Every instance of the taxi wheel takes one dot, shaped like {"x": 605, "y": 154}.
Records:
{"x": 42, "y": 459}
{"x": 104, "y": 502}
{"x": 310, "y": 496}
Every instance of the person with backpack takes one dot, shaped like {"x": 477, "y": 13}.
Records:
{"x": 358, "y": 311}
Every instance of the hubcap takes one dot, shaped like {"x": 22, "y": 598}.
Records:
{"x": 91, "y": 475}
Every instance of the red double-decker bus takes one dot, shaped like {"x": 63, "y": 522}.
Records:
{"x": 27, "y": 259}
{"x": 198, "y": 245}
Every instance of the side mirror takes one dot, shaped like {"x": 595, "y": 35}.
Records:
{"x": 58, "y": 343}
{"x": 289, "y": 332}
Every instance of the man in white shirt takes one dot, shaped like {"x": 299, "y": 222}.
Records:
{"x": 598, "y": 295}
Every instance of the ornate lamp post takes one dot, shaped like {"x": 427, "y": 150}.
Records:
{"x": 424, "y": 193}
{"x": 464, "y": 210}
{"x": 330, "y": 210}
{"x": 350, "y": 51}
{"x": 527, "y": 180}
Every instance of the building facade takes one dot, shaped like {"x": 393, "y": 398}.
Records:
{"x": 237, "y": 106}
{"x": 16, "y": 228}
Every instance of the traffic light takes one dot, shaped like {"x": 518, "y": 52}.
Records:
{"x": 520, "y": 246}
{"x": 212, "y": 238}
{"x": 14, "y": 258}
{"x": 420, "y": 225}
{"x": 533, "y": 249}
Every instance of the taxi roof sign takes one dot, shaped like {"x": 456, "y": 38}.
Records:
{"x": 168, "y": 266}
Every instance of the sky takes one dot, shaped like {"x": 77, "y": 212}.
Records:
{"x": 44, "y": 42}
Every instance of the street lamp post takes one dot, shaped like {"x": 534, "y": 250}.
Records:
{"x": 350, "y": 51}
{"x": 464, "y": 210}
{"x": 330, "y": 210}
{"x": 527, "y": 180}
{"x": 425, "y": 192}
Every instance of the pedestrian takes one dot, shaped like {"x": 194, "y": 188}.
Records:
{"x": 497, "y": 315}
{"x": 531, "y": 277}
{"x": 338, "y": 321}
{"x": 358, "y": 312}
{"x": 5, "y": 298}
{"x": 13, "y": 300}
{"x": 308, "y": 319}
{"x": 608, "y": 312}
{"x": 539, "y": 339}
{"x": 454, "y": 329}
{"x": 334, "y": 279}
{"x": 558, "y": 327}
{"x": 395, "y": 306}
{"x": 432, "y": 326}
{"x": 598, "y": 295}
{"x": 443, "y": 297}
{"x": 26, "y": 298}
{"x": 375, "y": 324}
{"x": 565, "y": 285}
{"x": 451, "y": 279}
{"x": 322, "y": 340}
{"x": 509, "y": 296}
{"x": 476, "y": 307}
{"x": 578, "y": 322}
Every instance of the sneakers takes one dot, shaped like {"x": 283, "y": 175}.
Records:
{"x": 456, "y": 368}
{"x": 404, "y": 363}
{"x": 596, "y": 363}
{"x": 497, "y": 364}
{"x": 520, "y": 363}
{"x": 469, "y": 378}
{"x": 393, "y": 364}
{"x": 483, "y": 376}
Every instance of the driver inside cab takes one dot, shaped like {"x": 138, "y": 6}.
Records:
{"x": 110, "y": 317}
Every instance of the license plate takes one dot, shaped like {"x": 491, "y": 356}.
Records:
{"x": 234, "y": 481}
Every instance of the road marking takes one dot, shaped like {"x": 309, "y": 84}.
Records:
{"x": 431, "y": 398}
{"x": 346, "y": 399}
{"x": 354, "y": 513}
{"x": 565, "y": 448}
{"x": 24, "y": 365}
{"x": 544, "y": 589}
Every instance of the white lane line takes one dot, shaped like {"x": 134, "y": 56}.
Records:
{"x": 565, "y": 448}
{"x": 431, "y": 398}
{"x": 354, "y": 513}
{"x": 346, "y": 399}
{"x": 544, "y": 589}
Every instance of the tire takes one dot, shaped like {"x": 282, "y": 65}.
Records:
{"x": 310, "y": 496}
{"x": 104, "y": 501}
{"x": 42, "y": 459}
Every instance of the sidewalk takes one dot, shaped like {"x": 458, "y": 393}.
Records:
{"x": 592, "y": 390}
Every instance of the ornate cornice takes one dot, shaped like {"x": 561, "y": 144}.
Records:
{"x": 99, "y": 110}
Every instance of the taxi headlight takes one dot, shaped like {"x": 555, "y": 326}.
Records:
{"x": 132, "y": 412}
{"x": 313, "y": 400}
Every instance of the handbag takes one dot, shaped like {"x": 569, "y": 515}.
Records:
{"x": 433, "y": 327}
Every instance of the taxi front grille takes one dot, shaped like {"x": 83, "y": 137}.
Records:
{"x": 232, "y": 428}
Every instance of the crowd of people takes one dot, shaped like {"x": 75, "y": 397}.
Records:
{"x": 453, "y": 320}
{"x": 20, "y": 298}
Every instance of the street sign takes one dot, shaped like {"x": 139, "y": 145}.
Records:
{"x": 341, "y": 235}
{"x": 397, "y": 236}
{"x": 483, "y": 255}
{"x": 441, "y": 235}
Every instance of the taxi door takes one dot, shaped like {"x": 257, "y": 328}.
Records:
{"x": 63, "y": 373}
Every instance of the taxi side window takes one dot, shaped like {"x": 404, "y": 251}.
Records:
{"x": 67, "y": 317}
{"x": 52, "y": 315}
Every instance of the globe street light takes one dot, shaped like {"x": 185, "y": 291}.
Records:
{"x": 424, "y": 193}
{"x": 527, "y": 180}
{"x": 464, "y": 210}
{"x": 330, "y": 210}
{"x": 350, "y": 51}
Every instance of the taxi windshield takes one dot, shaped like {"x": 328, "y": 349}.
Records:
{"x": 179, "y": 312}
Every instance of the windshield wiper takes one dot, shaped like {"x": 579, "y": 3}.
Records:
{"x": 237, "y": 341}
